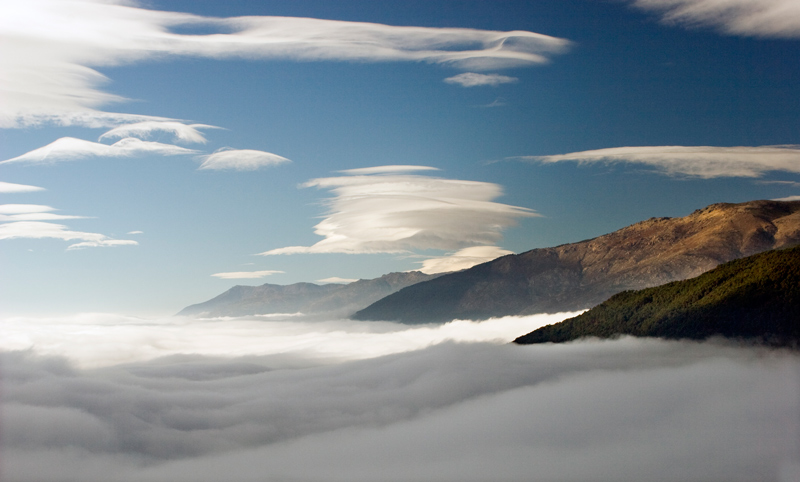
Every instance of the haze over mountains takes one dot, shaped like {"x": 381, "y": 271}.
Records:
{"x": 580, "y": 275}
{"x": 332, "y": 300}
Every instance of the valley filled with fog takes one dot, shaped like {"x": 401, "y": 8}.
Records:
{"x": 114, "y": 398}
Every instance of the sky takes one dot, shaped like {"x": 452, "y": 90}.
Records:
{"x": 154, "y": 154}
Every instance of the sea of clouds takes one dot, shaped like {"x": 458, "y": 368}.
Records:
{"x": 112, "y": 398}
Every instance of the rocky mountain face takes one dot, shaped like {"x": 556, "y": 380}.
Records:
{"x": 755, "y": 298}
{"x": 332, "y": 300}
{"x": 581, "y": 275}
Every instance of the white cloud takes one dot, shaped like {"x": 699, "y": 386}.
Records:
{"x": 471, "y": 79}
{"x": 701, "y": 161}
{"x": 50, "y": 48}
{"x": 39, "y": 230}
{"x": 337, "y": 280}
{"x": 70, "y": 149}
{"x": 630, "y": 409}
{"x": 144, "y": 130}
{"x": 759, "y": 18}
{"x": 240, "y": 160}
{"x": 135, "y": 232}
{"x": 782, "y": 183}
{"x": 109, "y": 339}
{"x": 31, "y": 212}
{"x": 246, "y": 274}
{"x": 393, "y": 213}
{"x": 11, "y": 188}
{"x": 463, "y": 259}
{"x": 788, "y": 198}
{"x": 24, "y": 208}
{"x": 102, "y": 243}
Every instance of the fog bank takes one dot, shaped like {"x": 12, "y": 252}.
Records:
{"x": 630, "y": 409}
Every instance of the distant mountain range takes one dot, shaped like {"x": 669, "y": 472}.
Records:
{"x": 331, "y": 300}
{"x": 757, "y": 297}
{"x": 580, "y": 275}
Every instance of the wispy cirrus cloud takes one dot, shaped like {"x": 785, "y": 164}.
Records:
{"x": 31, "y": 212}
{"x": 703, "y": 162}
{"x": 463, "y": 259}
{"x": 393, "y": 213}
{"x": 39, "y": 230}
{"x": 240, "y": 160}
{"x": 472, "y": 79}
{"x": 246, "y": 274}
{"x": 49, "y": 50}
{"x": 186, "y": 133}
{"x": 11, "y": 188}
{"x": 71, "y": 149}
{"x": 758, "y": 18}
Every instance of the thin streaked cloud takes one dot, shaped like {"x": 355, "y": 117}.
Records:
{"x": 246, "y": 274}
{"x": 472, "y": 79}
{"x": 756, "y": 18}
{"x": 703, "y": 162}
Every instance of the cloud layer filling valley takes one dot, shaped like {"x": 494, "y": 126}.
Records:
{"x": 628, "y": 409}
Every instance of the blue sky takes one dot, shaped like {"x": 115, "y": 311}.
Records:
{"x": 529, "y": 124}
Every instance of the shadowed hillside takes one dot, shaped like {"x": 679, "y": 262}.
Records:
{"x": 581, "y": 275}
{"x": 757, "y": 297}
{"x": 333, "y": 300}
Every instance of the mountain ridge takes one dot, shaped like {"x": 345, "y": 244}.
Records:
{"x": 580, "y": 275}
{"x": 752, "y": 298}
{"x": 307, "y": 298}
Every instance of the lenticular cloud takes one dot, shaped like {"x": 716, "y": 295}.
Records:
{"x": 49, "y": 50}
{"x": 703, "y": 162}
{"x": 71, "y": 149}
{"x": 240, "y": 160}
{"x": 392, "y": 213}
{"x": 187, "y": 133}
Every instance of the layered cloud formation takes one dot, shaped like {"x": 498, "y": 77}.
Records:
{"x": 144, "y": 130}
{"x": 240, "y": 160}
{"x": 71, "y": 149}
{"x": 31, "y": 212}
{"x": 39, "y": 230}
{"x": 385, "y": 210}
{"x": 49, "y": 50}
{"x": 759, "y": 18}
{"x": 704, "y": 162}
{"x": 628, "y": 409}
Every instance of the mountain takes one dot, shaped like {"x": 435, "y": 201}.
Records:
{"x": 332, "y": 299}
{"x": 757, "y": 297}
{"x": 580, "y": 275}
